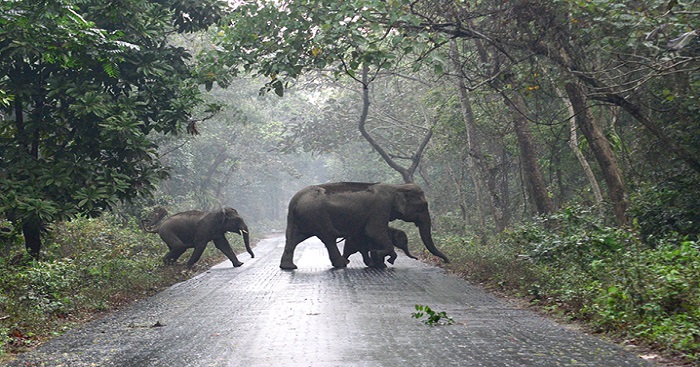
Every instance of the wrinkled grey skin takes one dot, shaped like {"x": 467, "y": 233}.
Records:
{"x": 195, "y": 229}
{"x": 355, "y": 209}
{"x": 363, "y": 246}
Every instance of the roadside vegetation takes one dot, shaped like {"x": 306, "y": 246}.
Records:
{"x": 638, "y": 284}
{"x": 89, "y": 267}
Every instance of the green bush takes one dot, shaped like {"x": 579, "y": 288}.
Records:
{"x": 571, "y": 264}
{"x": 670, "y": 207}
{"x": 653, "y": 294}
{"x": 88, "y": 266}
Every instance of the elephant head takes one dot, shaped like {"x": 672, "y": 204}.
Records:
{"x": 232, "y": 222}
{"x": 410, "y": 205}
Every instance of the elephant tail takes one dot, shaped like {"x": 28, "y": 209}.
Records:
{"x": 152, "y": 223}
{"x": 149, "y": 229}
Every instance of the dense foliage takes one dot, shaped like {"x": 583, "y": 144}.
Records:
{"x": 84, "y": 85}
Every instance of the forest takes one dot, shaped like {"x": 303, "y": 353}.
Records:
{"x": 557, "y": 142}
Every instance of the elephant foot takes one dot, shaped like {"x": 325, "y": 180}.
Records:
{"x": 381, "y": 265}
{"x": 237, "y": 264}
{"x": 340, "y": 266}
{"x": 288, "y": 266}
{"x": 341, "y": 263}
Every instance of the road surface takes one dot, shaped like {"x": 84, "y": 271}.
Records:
{"x": 260, "y": 315}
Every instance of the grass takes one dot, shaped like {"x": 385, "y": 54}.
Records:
{"x": 88, "y": 267}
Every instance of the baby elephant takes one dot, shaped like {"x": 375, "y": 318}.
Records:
{"x": 195, "y": 229}
{"x": 362, "y": 245}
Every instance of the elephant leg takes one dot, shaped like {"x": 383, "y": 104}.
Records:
{"x": 381, "y": 245}
{"x": 292, "y": 240}
{"x": 224, "y": 247}
{"x": 376, "y": 260}
{"x": 366, "y": 258}
{"x": 362, "y": 246}
{"x": 287, "y": 261}
{"x": 196, "y": 254}
{"x": 337, "y": 259}
{"x": 355, "y": 244}
{"x": 174, "y": 254}
{"x": 349, "y": 248}
{"x": 175, "y": 245}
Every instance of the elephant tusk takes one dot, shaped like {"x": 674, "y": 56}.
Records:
{"x": 243, "y": 231}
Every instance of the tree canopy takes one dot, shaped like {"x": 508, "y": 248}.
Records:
{"x": 83, "y": 85}
{"x": 620, "y": 61}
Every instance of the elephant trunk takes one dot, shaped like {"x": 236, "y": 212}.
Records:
{"x": 427, "y": 238}
{"x": 246, "y": 240}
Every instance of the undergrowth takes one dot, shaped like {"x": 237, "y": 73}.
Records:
{"x": 608, "y": 278}
{"x": 87, "y": 267}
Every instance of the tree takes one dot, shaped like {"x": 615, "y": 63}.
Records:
{"x": 392, "y": 159}
{"x": 602, "y": 151}
{"x": 301, "y": 36}
{"x": 640, "y": 58}
{"x": 85, "y": 84}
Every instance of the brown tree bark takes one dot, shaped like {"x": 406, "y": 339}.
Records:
{"x": 534, "y": 179}
{"x": 573, "y": 144}
{"x": 602, "y": 150}
{"x": 486, "y": 198}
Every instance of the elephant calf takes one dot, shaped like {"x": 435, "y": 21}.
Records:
{"x": 363, "y": 246}
{"x": 195, "y": 229}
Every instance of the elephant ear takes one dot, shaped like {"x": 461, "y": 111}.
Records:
{"x": 228, "y": 213}
{"x": 409, "y": 201}
{"x": 400, "y": 204}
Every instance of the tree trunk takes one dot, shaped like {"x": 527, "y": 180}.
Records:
{"x": 406, "y": 173}
{"x": 534, "y": 180}
{"x": 573, "y": 144}
{"x": 473, "y": 149}
{"x": 602, "y": 150}
{"x": 561, "y": 56}
{"x": 32, "y": 237}
{"x": 666, "y": 141}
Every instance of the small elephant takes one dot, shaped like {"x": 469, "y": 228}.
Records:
{"x": 355, "y": 209}
{"x": 195, "y": 229}
{"x": 363, "y": 246}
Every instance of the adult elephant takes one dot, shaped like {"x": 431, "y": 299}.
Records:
{"x": 195, "y": 229}
{"x": 355, "y": 209}
{"x": 363, "y": 245}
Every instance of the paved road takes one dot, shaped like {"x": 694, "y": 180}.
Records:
{"x": 259, "y": 315}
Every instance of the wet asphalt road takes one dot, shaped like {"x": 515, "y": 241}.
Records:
{"x": 259, "y": 315}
